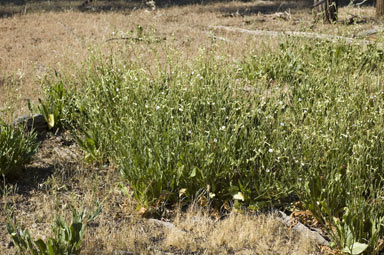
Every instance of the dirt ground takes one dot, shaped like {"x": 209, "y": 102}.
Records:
{"x": 36, "y": 43}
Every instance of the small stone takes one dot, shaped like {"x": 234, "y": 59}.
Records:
{"x": 36, "y": 122}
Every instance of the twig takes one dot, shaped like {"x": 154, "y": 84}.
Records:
{"x": 362, "y": 2}
{"x": 135, "y": 39}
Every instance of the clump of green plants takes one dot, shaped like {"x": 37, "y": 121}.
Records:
{"x": 335, "y": 107}
{"x": 301, "y": 122}
{"x": 16, "y": 149}
{"x": 65, "y": 240}
{"x": 184, "y": 133}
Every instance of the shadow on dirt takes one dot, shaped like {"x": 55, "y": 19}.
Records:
{"x": 57, "y": 155}
{"x": 11, "y": 7}
{"x": 29, "y": 178}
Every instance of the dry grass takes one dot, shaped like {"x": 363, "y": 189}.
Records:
{"x": 33, "y": 45}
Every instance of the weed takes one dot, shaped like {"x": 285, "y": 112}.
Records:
{"x": 66, "y": 240}
{"x": 16, "y": 149}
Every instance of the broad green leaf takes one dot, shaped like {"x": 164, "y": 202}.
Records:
{"x": 357, "y": 248}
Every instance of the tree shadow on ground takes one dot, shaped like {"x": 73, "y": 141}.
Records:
{"x": 9, "y": 8}
{"x": 29, "y": 179}
{"x": 12, "y": 7}
{"x": 56, "y": 156}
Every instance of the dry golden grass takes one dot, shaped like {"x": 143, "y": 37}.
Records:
{"x": 33, "y": 45}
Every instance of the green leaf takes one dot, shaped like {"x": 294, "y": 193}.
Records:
{"x": 42, "y": 246}
{"x": 51, "y": 120}
{"x": 193, "y": 174}
{"x": 357, "y": 248}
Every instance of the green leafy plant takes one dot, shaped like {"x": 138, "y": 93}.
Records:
{"x": 57, "y": 106}
{"x": 66, "y": 239}
{"x": 301, "y": 122}
{"x": 16, "y": 148}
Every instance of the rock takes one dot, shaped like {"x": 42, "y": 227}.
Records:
{"x": 301, "y": 228}
{"x": 36, "y": 122}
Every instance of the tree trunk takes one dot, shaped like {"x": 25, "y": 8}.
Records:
{"x": 379, "y": 8}
{"x": 326, "y": 10}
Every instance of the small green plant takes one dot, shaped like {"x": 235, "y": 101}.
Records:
{"x": 66, "y": 239}
{"x": 16, "y": 148}
{"x": 56, "y": 106}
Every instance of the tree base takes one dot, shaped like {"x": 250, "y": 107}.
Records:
{"x": 325, "y": 10}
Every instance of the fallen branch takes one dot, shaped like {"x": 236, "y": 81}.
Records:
{"x": 332, "y": 38}
{"x": 135, "y": 39}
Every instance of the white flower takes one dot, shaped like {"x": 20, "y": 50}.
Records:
{"x": 215, "y": 140}
{"x": 238, "y": 196}
{"x": 157, "y": 107}
{"x": 282, "y": 124}
{"x": 222, "y": 128}
{"x": 270, "y": 150}
{"x": 189, "y": 132}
